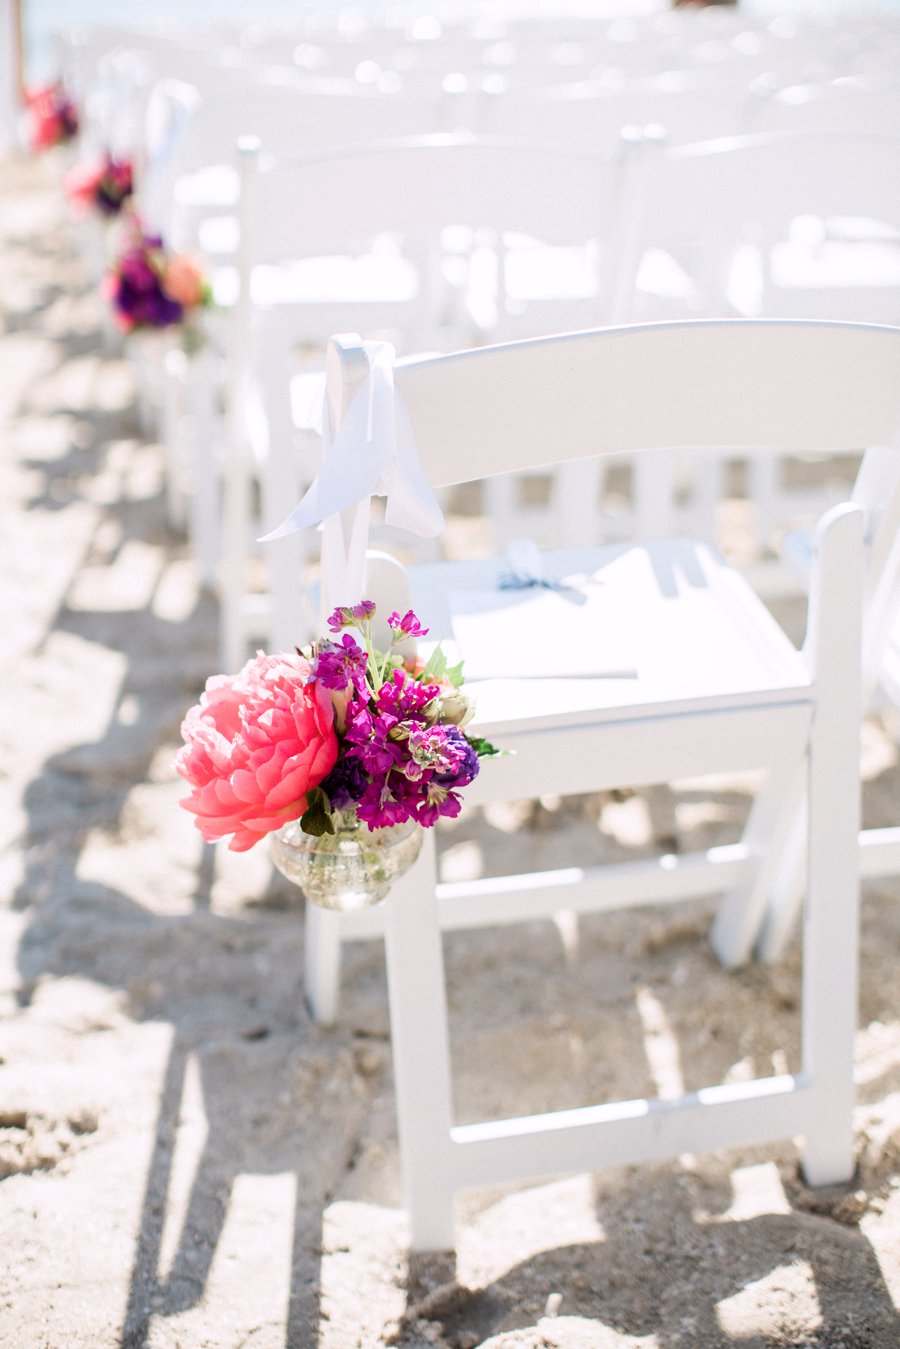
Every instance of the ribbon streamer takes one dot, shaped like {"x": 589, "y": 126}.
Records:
{"x": 373, "y": 454}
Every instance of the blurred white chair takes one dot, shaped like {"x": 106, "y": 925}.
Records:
{"x": 591, "y": 115}
{"x": 358, "y": 241}
{"x": 189, "y": 190}
{"x": 691, "y": 676}
{"x": 840, "y": 105}
{"x": 191, "y": 182}
{"x": 746, "y": 225}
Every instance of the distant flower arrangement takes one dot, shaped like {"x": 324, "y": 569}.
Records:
{"x": 338, "y": 727}
{"x": 103, "y": 185}
{"x": 52, "y": 116}
{"x": 149, "y": 287}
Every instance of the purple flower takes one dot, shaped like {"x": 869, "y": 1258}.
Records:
{"x": 438, "y": 801}
{"x": 408, "y": 624}
{"x": 466, "y": 760}
{"x": 368, "y": 738}
{"x": 114, "y": 187}
{"x": 380, "y": 808}
{"x": 350, "y": 616}
{"x": 346, "y": 783}
{"x": 135, "y": 288}
{"x": 404, "y": 697}
{"x": 339, "y": 664}
{"x": 431, "y": 748}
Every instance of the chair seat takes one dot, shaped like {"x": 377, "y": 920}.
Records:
{"x": 677, "y": 624}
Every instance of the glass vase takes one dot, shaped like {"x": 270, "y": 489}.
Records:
{"x": 352, "y": 868}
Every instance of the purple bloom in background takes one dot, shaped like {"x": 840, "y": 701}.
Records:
{"x": 136, "y": 292}
{"x": 114, "y": 187}
{"x": 68, "y": 117}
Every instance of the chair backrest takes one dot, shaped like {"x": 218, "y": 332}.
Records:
{"x": 592, "y": 116}
{"x": 842, "y": 105}
{"x": 423, "y": 183}
{"x": 707, "y": 200}
{"x": 527, "y": 404}
{"x": 546, "y": 401}
{"x": 194, "y": 127}
{"x": 413, "y": 190}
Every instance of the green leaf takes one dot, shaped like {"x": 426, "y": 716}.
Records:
{"x": 484, "y": 749}
{"x": 436, "y": 667}
{"x": 316, "y": 819}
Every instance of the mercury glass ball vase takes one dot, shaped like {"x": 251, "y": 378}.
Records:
{"x": 353, "y": 868}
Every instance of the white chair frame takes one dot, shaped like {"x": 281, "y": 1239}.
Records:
{"x": 712, "y": 383}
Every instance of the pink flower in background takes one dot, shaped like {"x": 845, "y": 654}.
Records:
{"x": 82, "y": 182}
{"x": 104, "y": 185}
{"x": 254, "y": 746}
{"x": 184, "y": 282}
{"x": 52, "y": 116}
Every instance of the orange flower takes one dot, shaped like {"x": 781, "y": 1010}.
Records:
{"x": 183, "y": 280}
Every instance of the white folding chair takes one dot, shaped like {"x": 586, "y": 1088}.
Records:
{"x": 679, "y": 672}
{"x": 189, "y": 190}
{"x": 591, "y": 115}
{"x": 731, "y": 213}
{"x": 843, "y": 105}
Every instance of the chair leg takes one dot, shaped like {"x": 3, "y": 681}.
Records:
{"x": 786, "y": 899}
{"x": 421, "y": 1053}
{"x": 831, "y": 919}
{"x": 233, "y": 576}
{"x": 204, "y": 432}
{"x": 768, "y": 837}
{"x": 322, "y": 963}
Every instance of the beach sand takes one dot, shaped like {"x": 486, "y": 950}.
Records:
{"x": 186, "y": 1159}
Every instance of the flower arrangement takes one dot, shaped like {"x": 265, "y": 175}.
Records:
{"x": 149, "y": 287}
{"x": 103, "y": 185}
{"x": 337, "y": 727}
{"x": 52, "y": 116}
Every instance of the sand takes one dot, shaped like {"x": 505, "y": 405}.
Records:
{"x": 186, "y": 1159}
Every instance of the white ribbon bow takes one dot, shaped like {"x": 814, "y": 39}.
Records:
{"x": 373, "y": 453}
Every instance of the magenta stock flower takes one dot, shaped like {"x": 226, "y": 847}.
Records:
{"x": 409, "y": 625}
{"x": 351, "y": 616}
{"x": 338, "y": 664}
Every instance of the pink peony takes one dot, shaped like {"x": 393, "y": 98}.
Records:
{"x": 255, "y": 744}
{"x": 81, "y": 184}
{"x": 183, "y": 280}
